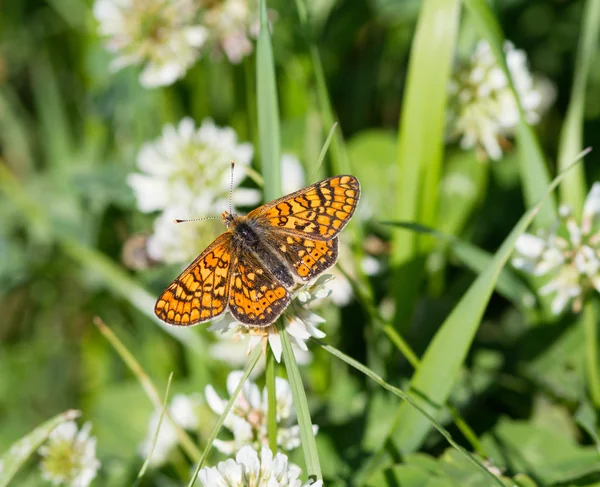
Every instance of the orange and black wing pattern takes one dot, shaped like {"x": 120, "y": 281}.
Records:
{"x": 256, "y": 297}
{"x": 201, "y": 292}
{"x": 306, "y": 257}
{"x": 318, "y": 212}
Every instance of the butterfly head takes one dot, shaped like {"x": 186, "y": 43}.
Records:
{"x": 228, "y": 218}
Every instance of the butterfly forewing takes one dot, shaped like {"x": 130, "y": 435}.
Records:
{"x": 319, "y": 211}
{"x": 201, "y": 292}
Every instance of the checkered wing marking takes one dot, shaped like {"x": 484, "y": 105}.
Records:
{"x": 256, "y": 297}
{"x": 201, "y": 292}
{"x": 306, "y": 257}
{"x": 319, "y": 211}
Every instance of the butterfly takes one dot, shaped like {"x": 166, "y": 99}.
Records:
{"x": 252, "y": 267}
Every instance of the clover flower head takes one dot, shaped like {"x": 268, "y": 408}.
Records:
{"x": 248, "y": 470}
{"x": 230, "y": 24}
{"x": 162, "y": 35}
{"x": 69, "y": 455}
{"x": 185, "y": 173}
{"x": 247, "y": 420}
{"x": 483, "y": 111}
{"x": 567, "y": 256}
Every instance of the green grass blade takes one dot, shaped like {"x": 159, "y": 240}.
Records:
{"x": 339, "y": 155}
{"x": 590, "y": 328}
{"x": 271, "y": 401}
{"x": 149, "y": 388}
{"x": 573, "y": 189}
{"x": 324, "y": 151}
{"x": 268, "y": 110}
{"x": 535, "y": 176}
{"x": 307, "y": 437}
{"x": 421, "y": 140}
{"x": 433, "y": 381}
{"x": 254, "y": 357}
{"x": 410, "y": 401}
{"x": 155, "y": 437}
{"x": 12, "y": 460}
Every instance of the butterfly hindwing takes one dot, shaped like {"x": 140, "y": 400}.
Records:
{"x": 256, "y": 297}
{"x": 306, "y": 257}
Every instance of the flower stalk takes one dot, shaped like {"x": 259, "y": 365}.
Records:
{"x": 271, "y": 400}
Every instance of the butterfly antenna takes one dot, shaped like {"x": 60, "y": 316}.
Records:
{"x": 231, "y": 189}
{"x": 177, "y": 220}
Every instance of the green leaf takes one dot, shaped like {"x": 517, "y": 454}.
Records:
{"x": 339, "y": 154}
{"x": 12, "y": 460}
{"x": 587, "y": 417}
{"x": 421, "y": 142}
{"x": 573, "y": 190}
{"x": 589, "y": 321}
{"x": 268, "y": 110}
{"x": 307, "y": 437}
{"x": 550, "y": 457}
{"x": 450, "y": 470}
{"x": 535, "y": 176}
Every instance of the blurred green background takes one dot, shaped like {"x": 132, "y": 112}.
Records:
{"x": 70, "y": 130}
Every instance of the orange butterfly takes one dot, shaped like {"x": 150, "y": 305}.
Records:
{"x": 251, "y": 268}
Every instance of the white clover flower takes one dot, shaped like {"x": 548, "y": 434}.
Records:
{"x": 482, "y": 109}
{"x": 163, "y": 35}
{"x": 248, "y": 470}
{"x": 300, "y": 323}
{"x": 69, "y": 456}
{"x": 184, "y": 411}
{"x": 231, "y": 24}
{"x": 247, "y": 419}
{"x": 568, "y": 255}
{"x": 187, "y": 173}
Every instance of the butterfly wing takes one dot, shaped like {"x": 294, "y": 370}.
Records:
{"x": 201, "y": 292}
{"x": 256, "y": 297}
{"x": 306, "y": 257}
{"x": 319, "y": 211}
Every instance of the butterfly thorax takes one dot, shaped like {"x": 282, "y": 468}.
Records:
{"x": 248, "y": 236}
{"x": 244, "y": 230}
